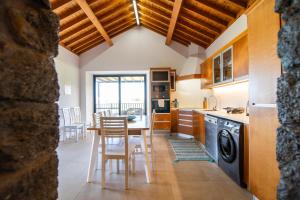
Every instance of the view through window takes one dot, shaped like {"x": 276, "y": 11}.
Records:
{"x": 120, "y": 94}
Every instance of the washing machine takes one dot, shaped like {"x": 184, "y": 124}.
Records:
{"x": 230, "y": 149}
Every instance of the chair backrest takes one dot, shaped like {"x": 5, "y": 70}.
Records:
{"x": 66, "y": 116}
{"x": 114, "y": 126}
{"x": 96, "y": 118}
{"x": 76, "y": 115}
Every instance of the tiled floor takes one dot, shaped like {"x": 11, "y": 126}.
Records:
{"x": 186, "y": 180}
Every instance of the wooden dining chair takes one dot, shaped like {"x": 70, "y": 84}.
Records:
{"x": 76, "y": 118}
{"x": 116, "y": 126}
{"x": 149, "y": 135}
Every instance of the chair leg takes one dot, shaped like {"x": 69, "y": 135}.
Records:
{"x": 133, "y": 163}
{"x": 126, "y": 173}
{"x": 103, "y": 173}
{"x": 110, "y": 165}
{"x": 118, "y": 166}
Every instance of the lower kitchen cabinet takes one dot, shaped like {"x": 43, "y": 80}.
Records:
{"x": 162, "y": 121}
{"x": 185, "y": 122}
{"x": 174, "y": 120}
{"x": 201, "y": 128}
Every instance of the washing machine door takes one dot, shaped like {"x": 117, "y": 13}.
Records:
{"x": 226, "y": 146}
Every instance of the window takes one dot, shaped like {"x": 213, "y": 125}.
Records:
{"x": 119, "y": 93}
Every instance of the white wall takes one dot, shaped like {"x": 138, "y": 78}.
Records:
{"x": 189, "y": 94}
{"x": 67, "y": 67}
{"x": 136, "y": 50}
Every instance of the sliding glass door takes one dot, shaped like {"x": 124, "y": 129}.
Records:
{"x": 119, "y": 93}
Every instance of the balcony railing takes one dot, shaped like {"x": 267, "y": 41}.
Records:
{"x": 114, "y": 107}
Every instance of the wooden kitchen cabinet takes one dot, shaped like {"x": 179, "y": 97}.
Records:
{"x": 202, "y": 128}
{"x": 264, "y": 69}
{"x": 199, "y": 127}
{"x": 174, "y": 120}
{"x": 206, "y": 71}
{"x": 162, "y": 121}
{"x": 240, "y": 61}
{"x": 185, "y": 122}
{"x": 241, "y": 58}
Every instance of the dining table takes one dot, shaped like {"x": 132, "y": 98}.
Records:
{"x": 137, "y": 127}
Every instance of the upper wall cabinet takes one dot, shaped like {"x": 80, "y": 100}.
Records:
{"x": 223, "y": 67}
{"x": 231, "y": 63}
{"x": 206, "y": 72}
{"x": 241, "y": 58}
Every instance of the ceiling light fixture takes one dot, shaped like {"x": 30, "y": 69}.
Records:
{"x": 136, "y": 12}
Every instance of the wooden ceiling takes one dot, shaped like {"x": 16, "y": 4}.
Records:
{"x": 85, "y": 24}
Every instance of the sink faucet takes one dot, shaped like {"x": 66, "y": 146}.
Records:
{"x": 215, "y": 100}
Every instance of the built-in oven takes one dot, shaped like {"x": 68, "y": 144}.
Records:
{"x": 161, "y": 105}
{"x": 161, "y": 90}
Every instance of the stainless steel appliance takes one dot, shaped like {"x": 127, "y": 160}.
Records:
{"x": 211, "y": 131}
{"x": 230, "y": 148}
{"x": 161, "y": 109}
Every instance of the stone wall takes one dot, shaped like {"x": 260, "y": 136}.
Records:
{"x": 288, "y": 101}
{"x": 28, "y": 91}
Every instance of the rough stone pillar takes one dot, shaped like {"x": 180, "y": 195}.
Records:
{"x": 288, "y": 101}
{"x": 28, "y": 91}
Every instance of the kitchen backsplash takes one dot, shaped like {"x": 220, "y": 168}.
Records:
{"x": 235, "y": 95}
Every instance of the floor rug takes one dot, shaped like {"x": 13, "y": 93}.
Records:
{"x": 187, "y": 149}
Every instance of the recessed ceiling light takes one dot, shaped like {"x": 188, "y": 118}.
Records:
{"x": 136, "y": 12}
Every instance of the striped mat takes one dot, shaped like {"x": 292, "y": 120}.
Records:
{"x": 187, "y": 149}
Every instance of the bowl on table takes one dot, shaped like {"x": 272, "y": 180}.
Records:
{"x": 131, "y": 117}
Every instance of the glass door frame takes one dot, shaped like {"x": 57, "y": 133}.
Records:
{"x": 119, "y": 76}
{"x": 221, "y": 67}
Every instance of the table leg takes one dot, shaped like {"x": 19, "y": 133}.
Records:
{"x": 146, "y": 154}
{"x": 93, "y": 157}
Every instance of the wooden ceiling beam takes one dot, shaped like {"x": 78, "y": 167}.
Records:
{"x": 155, "y": 10}
{"x": 118, "y": 13}
{"x": 88, "y": 11}
{"x": 100, "y": 11}
{"x": 161, "y": 5}
{"x": 59, "y": 3}
{"x": 190, "y": 38}
{"x": 84, "y": 39}
{"x": 92, "y": 45}
{"x": 239, "y": 3}
{"x": 205, "y": 14}
{"x": 197, "y": 30}
{"x": 173, "y": 21}
{"x": 80, "y": 36}
{"x": 115, "y": 21}
{"x": 193, "y": 32}
{"x": 121, "y": 25}
{"x": 154, "y": 15}
{"x": 188, "y": 17}
{"x": 217, "y": 8}
{"x": 154, "y": 25}
{"x": 89, "y": 45}
{"x": 154, "y": 20}
{"x": 85, "y": 35}
{"x": 86, "y": 26}
{"x": 69, "y": 12}
{"x": 164, "y": 33}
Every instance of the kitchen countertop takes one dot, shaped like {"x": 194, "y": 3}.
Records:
{"x": 221, "y": 113}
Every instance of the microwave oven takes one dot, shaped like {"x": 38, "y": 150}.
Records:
{"x": 160, "y": 75}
